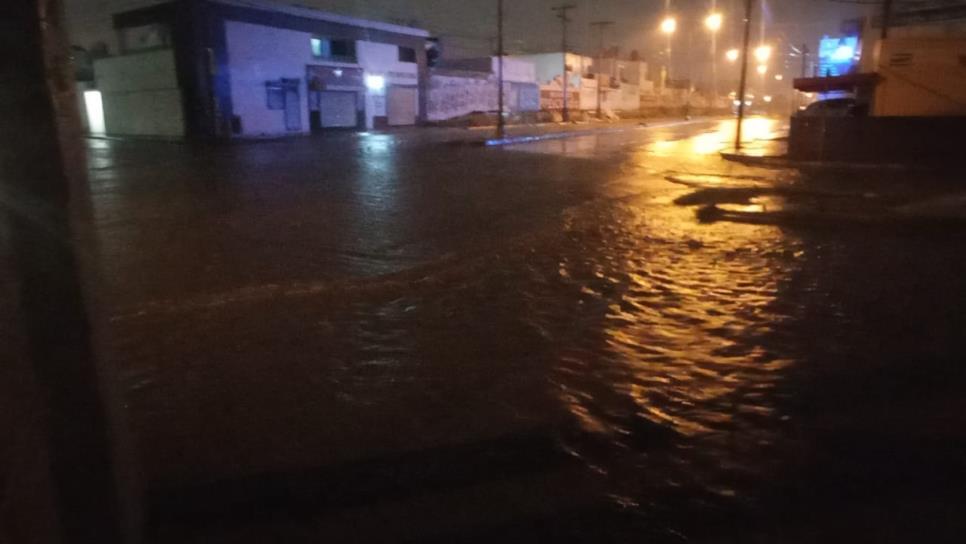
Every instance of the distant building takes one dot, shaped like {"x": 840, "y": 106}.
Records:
{"x": 223, "y": 68}
{"x": 620, "y": 82}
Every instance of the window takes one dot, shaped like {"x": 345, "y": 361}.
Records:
{"x": 407, "y": 54}
{"x": 275, "y": 95}
{"x": 342, "y": 50}
{"x": 145, "y": 38}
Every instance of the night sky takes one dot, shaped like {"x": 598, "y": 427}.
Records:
{"x": 531, "y": 25}
{"x": 469, "y": 25}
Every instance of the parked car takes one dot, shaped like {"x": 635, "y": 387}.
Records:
{"x": 836, "y": 107}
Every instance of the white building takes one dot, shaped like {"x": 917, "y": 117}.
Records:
{"x": 221, "y": 68}
{"x": 617, "y": 84}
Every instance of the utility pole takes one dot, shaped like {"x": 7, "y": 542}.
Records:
{"x": 500, "y": 121}
{"x": 562, "y": 11}
{"x": 41, "y": 167}
{"x": 886, "y": 18}
{"x": 601, "y": 25}
{"x": 805, "y": 52}
{"x": 745, "y": 50}
{"x": 714, "y": 58}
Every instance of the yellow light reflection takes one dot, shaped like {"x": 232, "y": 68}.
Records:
{"x": 708, "y": 143}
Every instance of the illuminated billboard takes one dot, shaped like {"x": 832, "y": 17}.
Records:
{"x": 838, "y": 56}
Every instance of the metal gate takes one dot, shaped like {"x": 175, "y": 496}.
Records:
{"x": 402, "y": 106}
{"x": 293, "y": 105}
{"x": 337, "y": 109}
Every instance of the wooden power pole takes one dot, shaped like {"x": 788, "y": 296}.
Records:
{"x": 562, "y": 12}
{"x": 743, "y": 84}
{"x": 500, "y": 53}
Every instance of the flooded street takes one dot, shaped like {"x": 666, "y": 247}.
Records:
{"x": 398, "y": 340}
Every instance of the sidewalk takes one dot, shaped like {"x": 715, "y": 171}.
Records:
{"x": 774, "y": 154}
{"x": 526, "y": 133}
{"x": 446, "y": 135}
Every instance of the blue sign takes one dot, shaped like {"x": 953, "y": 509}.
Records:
{"x": 838, "y": 56}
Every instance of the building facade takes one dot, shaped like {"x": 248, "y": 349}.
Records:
{"x": 250, "y": 68}
{"x": 919, "y": 70}
{"x": 609, "y": 83}
{"x": 912, "y": 84}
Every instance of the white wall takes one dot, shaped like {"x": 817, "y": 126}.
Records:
{"x": 257, "y": 54}
{"x": 383, "y": 59}
{"x": 516, "y": 70}
{"x": 547, "y": 66}
{"x": 140, "y": 94}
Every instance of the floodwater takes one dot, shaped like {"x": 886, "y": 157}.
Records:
{"x": 375, "y": 339}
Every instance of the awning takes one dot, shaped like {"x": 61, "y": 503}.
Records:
{"x": 849, "y": 82}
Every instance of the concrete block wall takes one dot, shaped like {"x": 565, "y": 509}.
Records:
{"x": 140, "y": 94}
{"x": 452, "y": 96}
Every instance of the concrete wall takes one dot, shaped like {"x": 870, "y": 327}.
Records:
{"x": 921, "y": 76}
{"x": 452, "y": 96}
{"x": 257, "y": 54}
{"x": 383, "y": 59}
{"x": 141, "y": 95}
{"x": 549, "y": 66}
{"x": 515, "y": 70}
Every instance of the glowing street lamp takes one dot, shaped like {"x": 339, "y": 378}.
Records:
{"x": 762, "y": 69}
{"x": 713, "y": 22}
{"x": 669, "y": 25}
{"x": 763, "y": 53}
{"x": 732, "y": 55}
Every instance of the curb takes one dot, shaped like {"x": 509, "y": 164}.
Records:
{"x": 783, "y": 161}
{"x": 513, "y": 140}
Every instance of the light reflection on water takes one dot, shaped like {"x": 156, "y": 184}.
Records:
{"x": 659, "y": 352}
{"x": 679, "y": 350}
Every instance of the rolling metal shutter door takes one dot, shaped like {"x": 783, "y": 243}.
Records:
{"x": 337, "y": 109}
{"x": 402, "y": 106}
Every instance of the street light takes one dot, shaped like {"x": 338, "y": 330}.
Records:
{"x": 713, "y": 22}
{"x": 763, "y": 53}
{"x": 732, "y": 55}
{"x": 762, "y": 69}
{"x": 669, "y": 25}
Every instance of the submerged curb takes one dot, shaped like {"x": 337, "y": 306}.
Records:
{"x": 784, "y": 161}
{"x": 512, "y": 140}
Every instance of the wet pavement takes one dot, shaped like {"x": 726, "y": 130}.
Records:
{"x": 372, "y": 338}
